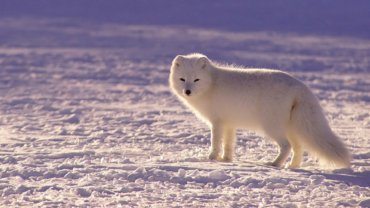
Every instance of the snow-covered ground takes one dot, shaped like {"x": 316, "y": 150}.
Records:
{"x": 87, "y": 118}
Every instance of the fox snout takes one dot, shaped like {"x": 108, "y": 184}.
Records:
{"x": 187, "y": 92}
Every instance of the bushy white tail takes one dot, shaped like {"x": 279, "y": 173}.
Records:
{"x": 309, "y": 125}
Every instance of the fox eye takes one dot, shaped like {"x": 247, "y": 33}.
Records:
{"x": 182, "y": 79}
{"x": 196, "y": 80}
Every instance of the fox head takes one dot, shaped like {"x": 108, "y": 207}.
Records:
{"x": 190, "y": 75}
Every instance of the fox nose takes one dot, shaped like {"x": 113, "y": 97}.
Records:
{"x": 187, "y": 92}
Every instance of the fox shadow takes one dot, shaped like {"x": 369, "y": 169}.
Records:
{"x": 347, "y": 176}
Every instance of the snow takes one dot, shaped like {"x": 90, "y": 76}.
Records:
{"x": 87, "y": 118}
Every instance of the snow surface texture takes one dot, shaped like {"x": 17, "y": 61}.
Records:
{"x": 87, "y": 118}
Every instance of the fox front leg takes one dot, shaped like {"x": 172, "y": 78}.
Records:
{"x": 228, "y": 144}
{"x": 216, "y": 142}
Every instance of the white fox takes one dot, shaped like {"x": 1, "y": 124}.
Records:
{"x": 267, "y": 101}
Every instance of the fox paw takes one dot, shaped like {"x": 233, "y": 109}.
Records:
{"x": 292, "y": 166}
{"x": 213, "y": 156}
{"x": 274, "y": 164}
{"x": 226, "y": 158}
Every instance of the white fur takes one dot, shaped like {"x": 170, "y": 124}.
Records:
{"x": 267, "y": 101}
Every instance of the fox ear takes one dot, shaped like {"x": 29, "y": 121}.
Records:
{"x": 203, "y": 62}
{"x": 177, "y": 60}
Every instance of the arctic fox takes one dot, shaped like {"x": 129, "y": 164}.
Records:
{"x": 268, "y": 101}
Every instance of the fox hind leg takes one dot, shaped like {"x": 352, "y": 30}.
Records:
{"x": 297, "y": 154}
{"x": 284, "y": 150}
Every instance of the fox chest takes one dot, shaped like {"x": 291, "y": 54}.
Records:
{"x": 226, "y": 110}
